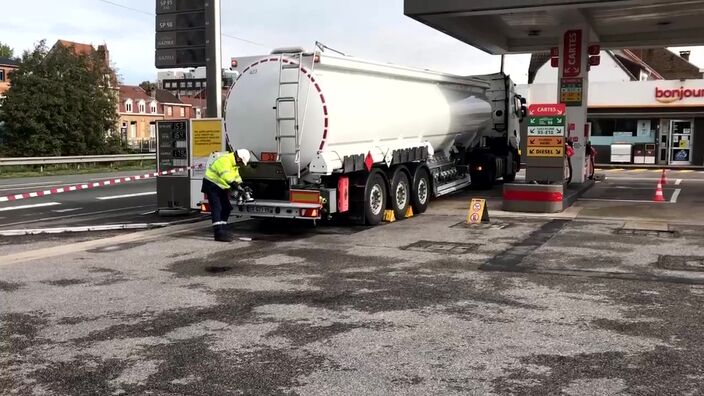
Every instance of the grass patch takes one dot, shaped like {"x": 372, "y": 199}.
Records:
{"x": 7, "y": 172}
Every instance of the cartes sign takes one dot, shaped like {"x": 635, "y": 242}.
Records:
{"x": 572, "y": 54}
{"x": 546, "y": 110}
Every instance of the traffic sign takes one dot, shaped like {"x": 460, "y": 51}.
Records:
{"x": 546, "y": 121}
{"x": 555, "y": 152}
{"x": 546, "y": 131}
{"x": 546, "y": 141}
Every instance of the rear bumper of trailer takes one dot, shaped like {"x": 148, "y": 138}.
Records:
{"x": 278, "y": 209}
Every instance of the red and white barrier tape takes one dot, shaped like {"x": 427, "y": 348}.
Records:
{"x": 87, "y": 186}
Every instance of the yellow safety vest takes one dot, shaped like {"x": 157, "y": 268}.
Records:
{"x": 223, "y": 170}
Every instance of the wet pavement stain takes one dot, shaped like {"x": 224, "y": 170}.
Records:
{"x": 643, "y": 373}
{"x": 65, "y": 282}
{"x": 10, "y": 286}
{"x": 117, "y": 248}
{"x": 512, "y": 258}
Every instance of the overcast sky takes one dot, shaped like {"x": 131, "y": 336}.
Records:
{"x": 372, "y": 29}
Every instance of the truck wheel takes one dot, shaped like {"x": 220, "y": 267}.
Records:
{"x": 510, "y": 176}
{"x": 420, "y": 195}
{"x": 374, "y": 199}
{"x": 400, "y": 194}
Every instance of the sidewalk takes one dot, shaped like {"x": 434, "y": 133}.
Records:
{"x": 645, "y": 166}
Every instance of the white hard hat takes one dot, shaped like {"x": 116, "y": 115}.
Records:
{"x": 244, "y": 155}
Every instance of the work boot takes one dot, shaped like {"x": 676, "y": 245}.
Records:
{"x": 221, "y": 235}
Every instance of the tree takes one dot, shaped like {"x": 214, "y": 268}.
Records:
{"x": 60, "y": 103}
{"x": 6, "y": 51}
{"x": 148, "y": 86}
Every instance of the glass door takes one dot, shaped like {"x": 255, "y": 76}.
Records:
{"x": 681, "y": 142}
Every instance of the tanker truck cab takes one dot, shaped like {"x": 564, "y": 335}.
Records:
{"x": 336, "y": 136}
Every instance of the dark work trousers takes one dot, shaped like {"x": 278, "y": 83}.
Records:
{"x": 219, "y": 200}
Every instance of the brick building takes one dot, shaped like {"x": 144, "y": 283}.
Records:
{"x": 170, "y": 106}
{"x": 669, "y": 65}
{"x": 7, "y": 65}
{"x": 82, "y": 49}
{"x": 138, "y": 113}
{"x": 197, "y": 106}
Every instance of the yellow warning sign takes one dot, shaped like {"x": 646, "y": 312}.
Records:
{"x": 478, "y": 211}
{"x": 207, "y": 136}
{"x": 558, "y": 151}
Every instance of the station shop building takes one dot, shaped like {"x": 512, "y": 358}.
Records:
{"x": 646, "y": 106}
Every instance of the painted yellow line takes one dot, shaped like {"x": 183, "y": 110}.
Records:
{"x": 685, "y": 171}
{"x": 638, "y": 170}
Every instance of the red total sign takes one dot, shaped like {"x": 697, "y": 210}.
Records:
{"x": 547, "y": 110}
{"x": 572, "y": 54}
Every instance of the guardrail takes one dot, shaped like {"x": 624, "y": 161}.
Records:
{"x": 79, "y": 159}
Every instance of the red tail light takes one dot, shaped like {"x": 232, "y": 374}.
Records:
{"x": 310, "y": 213}
{"x": 268, "y": 157}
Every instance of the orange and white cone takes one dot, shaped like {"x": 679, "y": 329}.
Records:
{"x": 663, "y": 178}
{"x": 659, "y": 197}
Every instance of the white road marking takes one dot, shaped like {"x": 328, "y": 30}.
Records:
{"x": 616, "y": 200}
{"x": 127, "y": 195}
{"x": 71, "y": 216}
{"x": 15, "y": 187}
{"x": 29, "y": 206}
{"x": 675, "y": 195}
{"x": 66, "y": 210}
{"x": 678, "y": 182}
{"x": 653, "y": 179}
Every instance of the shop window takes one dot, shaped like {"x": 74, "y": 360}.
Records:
{"x": 606, "y": 131}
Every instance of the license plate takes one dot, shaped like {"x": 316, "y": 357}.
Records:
{"x": 257, "y": 209}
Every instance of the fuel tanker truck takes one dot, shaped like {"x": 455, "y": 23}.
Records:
{"x": 332, "y": 135}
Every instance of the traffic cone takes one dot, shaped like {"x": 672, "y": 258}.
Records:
{"x": 658, "y": 193}
{"x": 663, "y": 178}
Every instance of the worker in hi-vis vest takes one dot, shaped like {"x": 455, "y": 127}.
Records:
{"x": 221, "y": 177}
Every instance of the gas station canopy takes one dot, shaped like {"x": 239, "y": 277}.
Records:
{"x": 520, "y": 26}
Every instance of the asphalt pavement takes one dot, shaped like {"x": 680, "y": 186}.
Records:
{"x": 133, "y": 202}
{"x": 427, "y": 305}
{"x": 604, "y": 299}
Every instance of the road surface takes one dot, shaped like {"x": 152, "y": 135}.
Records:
{"x": 125, "y": 203}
